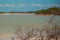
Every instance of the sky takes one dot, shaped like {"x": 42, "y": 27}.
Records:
{"x": 27, "y": 5}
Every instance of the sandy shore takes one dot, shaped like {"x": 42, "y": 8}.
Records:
{"x": 27, "y": 14}
{"x": 18, "y": 14}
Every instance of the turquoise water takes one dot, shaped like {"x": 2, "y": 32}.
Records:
{"x": 8, "y": 23}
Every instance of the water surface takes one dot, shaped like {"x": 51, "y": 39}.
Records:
{"x": 8, "y": 23}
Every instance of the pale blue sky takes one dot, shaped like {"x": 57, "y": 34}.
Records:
{"x": 27, "y": 5}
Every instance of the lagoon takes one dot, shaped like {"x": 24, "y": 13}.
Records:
{"x": 8, "y": 23}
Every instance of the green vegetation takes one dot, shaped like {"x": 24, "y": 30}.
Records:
{"x": 2, "y": 12}
{"x": 54, "y": 10}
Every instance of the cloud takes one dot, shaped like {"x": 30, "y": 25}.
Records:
{"x": 1, "y": 5}
{"x": 54, "y": 5}
{"x": 8, "y": 5}
{"x": 37, "y": 5}
{"x": 22, "y": 5}
{"x": 19, "y": 5}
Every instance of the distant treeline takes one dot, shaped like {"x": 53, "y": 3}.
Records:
{"x": 49, "y": 11}
{"x": 19, "y": 12}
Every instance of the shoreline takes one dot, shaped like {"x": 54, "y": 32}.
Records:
{"x": 46, "y": 15}
{"x": 28, "y": 14}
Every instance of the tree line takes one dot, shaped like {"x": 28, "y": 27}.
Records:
{"x": 49, "y": 11}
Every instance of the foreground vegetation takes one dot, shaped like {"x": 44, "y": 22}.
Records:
{"x": 38, "y": 34}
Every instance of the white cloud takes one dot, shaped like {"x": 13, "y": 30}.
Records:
{"x": 54, "y": 5}
{"x": 37, "y": 5}
{"x": 22, "y": 5}
{"x": 1, "y": 5}
{"x": 10, "y": 5}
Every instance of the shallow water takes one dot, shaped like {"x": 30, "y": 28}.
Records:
{"x": 8, "y": 23}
